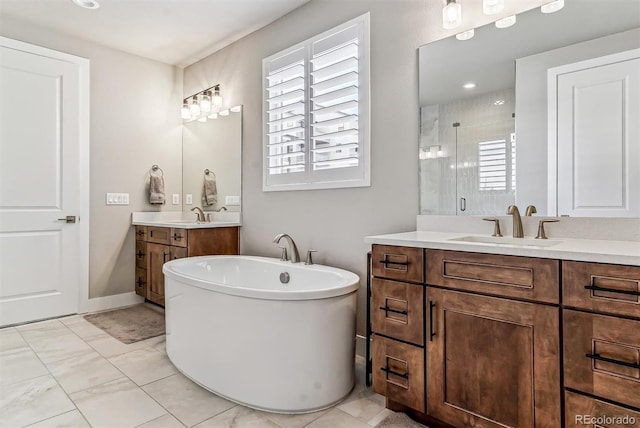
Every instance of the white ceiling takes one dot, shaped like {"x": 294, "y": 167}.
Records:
{"x": 177, "y": 32}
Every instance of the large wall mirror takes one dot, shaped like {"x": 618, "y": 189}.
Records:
{"x": 212, "y": 162}
{"x": 503, "y": 112}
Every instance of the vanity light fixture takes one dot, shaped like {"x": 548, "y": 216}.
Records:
{"x": 491, "y": 7}
{"x": 200, "y": 105}
{"x": 203, "y": 119}
{"x": 465, "y": 35}
{"x": 451, "y": 14}
{"x": 554, "y": 6}
{"x": 87, "y": 4}
{"x": 469, "y": 85}
{"x": 217, "y": 98}
{"x": 224, "y": 113}
{"x": 506, "y": 22}
{"x": 236, "y": 109}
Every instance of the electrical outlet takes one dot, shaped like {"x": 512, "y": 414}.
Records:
{"x": 232, "y": 200}
{"x": 117, "y": 199}
{"x": 188, "y": 199}
{"x": 176, "y": 198}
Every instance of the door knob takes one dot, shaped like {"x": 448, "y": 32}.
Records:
{"x": 68, "y": 219}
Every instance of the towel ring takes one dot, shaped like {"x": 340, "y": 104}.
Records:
{"x": 154, "y": 169}
{"x": 207, "y": 172}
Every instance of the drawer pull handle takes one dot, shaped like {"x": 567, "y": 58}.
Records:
{"x": 177, "y": 237}
{"x": 431, "y": 332}
{"x": 613, "y": 361}
{"x": 140, "y": 254}
{"x": 395, "y": 311}
{"x": 389, "y": 371}
{"x": 140, "y": 233}
{"x": 387, "y": 262}
{"x": 612, "y": 290}
{"x": 140, "y": 282}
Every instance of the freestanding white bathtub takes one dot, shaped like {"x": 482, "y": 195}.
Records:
{"x": 236, "y": 330}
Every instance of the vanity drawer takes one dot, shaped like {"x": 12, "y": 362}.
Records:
{"x": 397, "y": 310}
{"x": 579, "y": 408}
{"x": 505, "y": 276}
{"x": 179, "y": 237}
{"x": 141, "y": 233}
{"x": 401, "y": 263}
{"x": 159, "y": 235}
{"x": 141, "y": 254}
{"x": 398, "y": 372}
{"x": 602, "y": 287}
{"x": 602, "y": 356}
{"x": 177, "y": 253}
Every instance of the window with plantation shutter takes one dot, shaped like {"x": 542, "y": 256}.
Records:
{"x": 316, "y": 111}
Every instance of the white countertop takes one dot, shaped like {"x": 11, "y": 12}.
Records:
{"x": 185, "y": 220}
{"x": 589, "y": 250}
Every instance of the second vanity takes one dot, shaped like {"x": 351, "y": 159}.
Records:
{"x": 161, "y": 237}
{"x": 470, "y": 330}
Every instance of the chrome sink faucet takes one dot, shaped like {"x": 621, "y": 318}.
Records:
{"x": 200, "y": 218}
{"x": 517, "y": 221}
{"x": 293, "y": 250}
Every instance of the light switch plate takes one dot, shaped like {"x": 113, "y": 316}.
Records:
{"x": 232, "y": 200}
{"x": 176, "y": 198}
{"x": 117, "y": 199}
{"x": 188, "y": 199}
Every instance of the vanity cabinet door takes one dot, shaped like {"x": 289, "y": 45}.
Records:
{"x": 492, "y": 362}
{"x": 141, "y": 282}
{"x": 141, "y": 254}
{"x": 157, "y": 255}
{"x": 178, "y": 253}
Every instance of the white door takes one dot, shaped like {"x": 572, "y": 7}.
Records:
{"x": 43, "y": 124}
{"x": 598, "y": 136}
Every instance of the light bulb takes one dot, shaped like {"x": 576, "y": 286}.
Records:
{"x": 213, "y": 116}
{"x": 491, "y": 7}
{"x": 202, "y": 119}
{"x": 185, "y": 113}
{"x": 236, "y": 109}
{"x": 506, "y": 22}
{"x": 465, "y": 35}
{"x": 194, "y": 107}
{"x": 205, "y": 102}
{"x": 217, "y": 98}
{"x": 554, "y": 6}
{"x": 451, "y": 15}
{"x": 224, "y": 113}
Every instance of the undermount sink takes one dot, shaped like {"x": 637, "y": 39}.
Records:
{"x": 502, "y": 240}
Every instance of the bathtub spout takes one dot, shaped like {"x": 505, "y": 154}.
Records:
{"x": 293, "y": 250}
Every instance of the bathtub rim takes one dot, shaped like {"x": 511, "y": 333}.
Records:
{"x": 350, "y": 285}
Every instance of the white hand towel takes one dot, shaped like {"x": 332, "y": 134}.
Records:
{"x": 209, "y": 190}
{"x": 156, "y": 190}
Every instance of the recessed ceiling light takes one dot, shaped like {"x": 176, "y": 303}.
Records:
{"x": 554, "y": 6}
{"x": 506, "y": 22}
{"x": 87, "y": 4}
{"x": 465, "y": 35}
{"x": 469, "y": 85}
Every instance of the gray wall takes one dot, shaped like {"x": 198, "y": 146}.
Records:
{"x": 334, "y": 222}
{"x": 135, "y": 123}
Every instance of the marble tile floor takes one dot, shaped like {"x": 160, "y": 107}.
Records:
{"x": 68, "y": 373}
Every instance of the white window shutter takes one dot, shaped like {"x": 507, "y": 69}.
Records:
{"x": 317, "y": 111}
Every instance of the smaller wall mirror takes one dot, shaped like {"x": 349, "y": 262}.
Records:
{"x": 212, "y": 151}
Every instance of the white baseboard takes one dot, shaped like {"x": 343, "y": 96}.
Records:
{"x": 110, "y": 302}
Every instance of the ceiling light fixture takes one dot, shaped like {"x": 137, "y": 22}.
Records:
{"x": 451, "y": 15}
{"x": 200, "y": 105}
{"x": 554, "y": 6}
{"x": 469, "y": 85}
{"x": 491, "y": 7}
{"x": 506, "y": 22}
{"x": 87, "y": 4}
{"x": 465, "y": 35}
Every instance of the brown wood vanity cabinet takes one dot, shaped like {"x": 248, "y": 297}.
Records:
{"x": 157, "y": 245}
{"x": 601, "y": 340}
{"x": 448, "y": 346}
{"x": 493, "y": 359}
